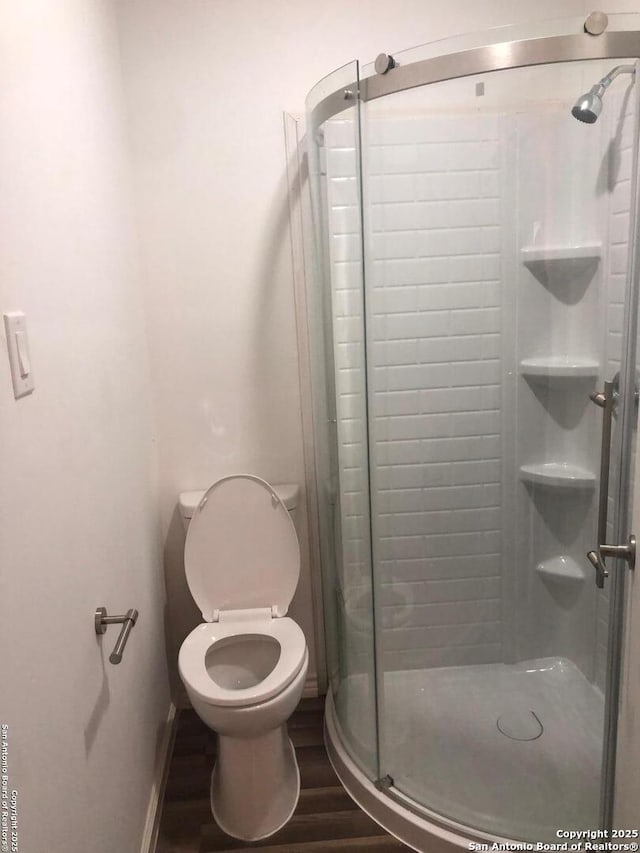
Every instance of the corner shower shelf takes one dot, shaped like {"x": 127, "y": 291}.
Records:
{"x": 554, "y": 367}
{"x": 563, "y": 569}
{"x": 561, "y": 261}
{"x": 558, "y": 474}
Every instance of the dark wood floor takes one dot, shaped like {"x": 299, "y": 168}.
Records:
{"x": 326, "y": 818}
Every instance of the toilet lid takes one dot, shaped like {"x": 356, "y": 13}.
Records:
{"x": 241, "y": 550}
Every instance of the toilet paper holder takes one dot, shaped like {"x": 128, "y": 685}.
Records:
{"x": 128, "y": 620}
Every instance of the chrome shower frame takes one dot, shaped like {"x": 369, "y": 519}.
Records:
{"x": 502, "y": 56}
{"x": 481, "y": 60}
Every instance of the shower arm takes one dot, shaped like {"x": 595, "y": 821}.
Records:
{"x": 602, "y": 85}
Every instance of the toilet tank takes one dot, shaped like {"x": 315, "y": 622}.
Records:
{"x": 287, "y": 492}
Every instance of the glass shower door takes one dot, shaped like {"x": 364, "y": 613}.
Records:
{"x": 340, "y": 414}
{"x": 498, "y": 295}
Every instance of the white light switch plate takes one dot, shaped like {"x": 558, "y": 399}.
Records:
{"x": 15, "y": 326}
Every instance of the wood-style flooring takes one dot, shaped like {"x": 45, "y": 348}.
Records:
{"x": 326, "y": 818}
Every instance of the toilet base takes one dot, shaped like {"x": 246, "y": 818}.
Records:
{"x": 255, "y": 784}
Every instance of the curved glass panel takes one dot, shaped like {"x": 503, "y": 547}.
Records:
{"x": 497, "y": 232}
{"x": 475, "y": 405}
{"x": 340, "y": 419}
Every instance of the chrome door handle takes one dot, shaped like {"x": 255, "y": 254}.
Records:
{"x": 605, "y": 399}
{"x": 623, "y": 552}
{"x": 599, "y": 398}
{"x": 598, "y": 564}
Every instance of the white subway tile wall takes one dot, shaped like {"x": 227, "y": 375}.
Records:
{"x": 433, "y": 242}
{"x": 437, "y": 239}
{"x": 353, "y": 594}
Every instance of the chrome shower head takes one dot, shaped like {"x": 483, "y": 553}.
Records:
{"x": 589, "y": 106}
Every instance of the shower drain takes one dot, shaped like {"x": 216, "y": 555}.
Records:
{"x": 520, "y": 725}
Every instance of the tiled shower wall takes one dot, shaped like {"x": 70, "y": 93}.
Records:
{"x": 435, "y": 242}
{"x": 441, "y": 248}
{"x": 624, "y": 107}
{"x": 434, "y": 215}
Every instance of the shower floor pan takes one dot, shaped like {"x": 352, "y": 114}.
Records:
{"x": 509, "y": 749}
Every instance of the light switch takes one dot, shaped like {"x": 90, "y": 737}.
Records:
{"x": 15, "y": 326}
{"x": 22, "y": 345}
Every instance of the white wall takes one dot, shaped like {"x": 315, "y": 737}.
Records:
{"x": 78, "y": 524}
{"x": 207, "y": 84}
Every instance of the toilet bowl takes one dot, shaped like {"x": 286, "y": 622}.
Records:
{"x": 244, "y": 667}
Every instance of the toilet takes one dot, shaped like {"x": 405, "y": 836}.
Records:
{"x": 244, "y": 667}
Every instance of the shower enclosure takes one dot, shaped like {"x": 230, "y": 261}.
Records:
{"x": 473, "y": 339}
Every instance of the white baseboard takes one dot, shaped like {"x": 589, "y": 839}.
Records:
{"x": 152, "y": 823}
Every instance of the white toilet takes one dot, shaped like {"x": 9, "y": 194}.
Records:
{"x": 244, "y": 667}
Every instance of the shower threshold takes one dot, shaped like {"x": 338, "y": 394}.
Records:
{"x": 509, "y": 749}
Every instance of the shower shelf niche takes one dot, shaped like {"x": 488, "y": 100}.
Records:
{"x": 563, "y": 569}
{"x": 558, "y": 474}
{"x": 561, "y": 262}
{"x": 553, "y": 367}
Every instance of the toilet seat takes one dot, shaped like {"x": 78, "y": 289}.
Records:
{"x": 241, "y": 550}
{"x": 191, "y": 660}
{"x": 242, "y": 564}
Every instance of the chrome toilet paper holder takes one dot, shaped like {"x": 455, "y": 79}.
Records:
{"x": 128, "y": 620}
